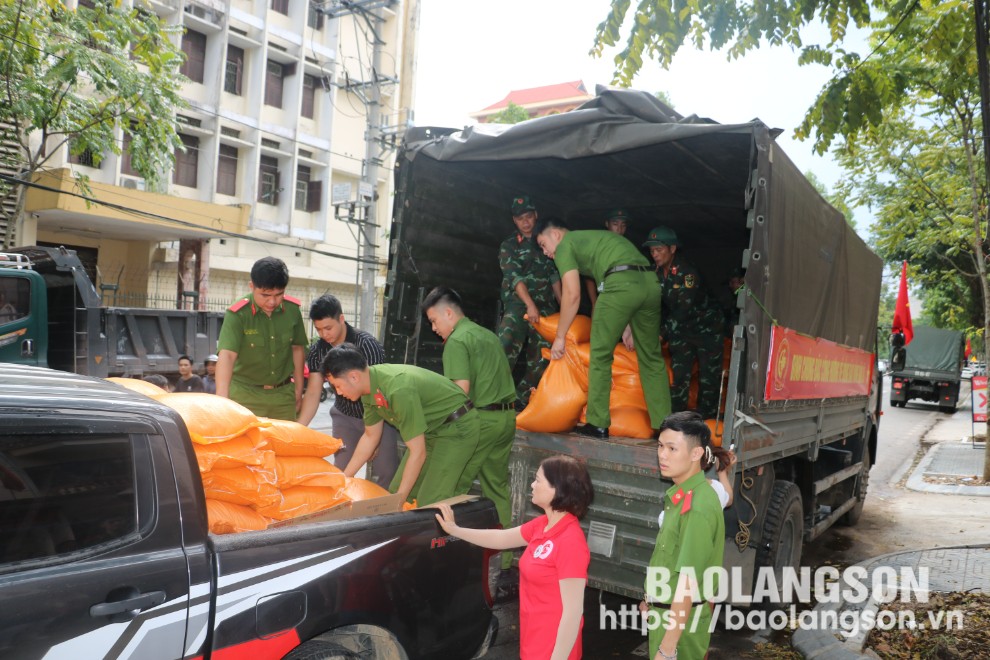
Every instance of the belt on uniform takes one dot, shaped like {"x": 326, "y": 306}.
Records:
{"x": 498, "y": 407}
{"x": 277, "y": 385}
{"x": 460, "y": 412}
{"x": 619, "y": 269}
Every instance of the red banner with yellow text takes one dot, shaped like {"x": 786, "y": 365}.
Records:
{"x": 803, "y": 367}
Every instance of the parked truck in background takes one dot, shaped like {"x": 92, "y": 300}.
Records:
{"x": 931, "y": 370}
{"x": 54, "y": 317}
{"x": 105, "y": 550}
{"x": 802, "y": 401}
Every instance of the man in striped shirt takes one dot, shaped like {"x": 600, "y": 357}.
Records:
{"x": 347, "y": 416}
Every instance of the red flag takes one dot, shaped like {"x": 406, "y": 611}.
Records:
{"x": 969, "y": 349}
{"x": 902, "y": 312}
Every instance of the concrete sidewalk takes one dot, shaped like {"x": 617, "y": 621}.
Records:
{"x": 952, "y": 458}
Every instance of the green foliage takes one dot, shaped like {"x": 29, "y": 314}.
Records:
{"x": 513, "y": 114}
{"x": 76, "y": 76}
{"x": 657, "y": 30}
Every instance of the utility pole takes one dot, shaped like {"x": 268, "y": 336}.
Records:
{"x": 362, "y": 213}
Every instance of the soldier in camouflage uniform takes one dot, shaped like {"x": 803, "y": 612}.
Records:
{"x": 692, "y": 324}
{"x": 530, "y": 285}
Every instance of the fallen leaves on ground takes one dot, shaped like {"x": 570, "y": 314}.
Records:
{"x": 966, "y": 635}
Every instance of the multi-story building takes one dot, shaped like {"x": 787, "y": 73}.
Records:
{"x": 275, "y": 121}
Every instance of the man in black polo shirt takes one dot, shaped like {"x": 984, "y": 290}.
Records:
{"x": 347, "y": 416}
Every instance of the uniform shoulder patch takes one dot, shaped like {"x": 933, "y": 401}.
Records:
{"x": 294, "y": 301}
{"x": 239, "y": 305}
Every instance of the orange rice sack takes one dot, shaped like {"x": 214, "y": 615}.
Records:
{"x": 307, "y": 471}
{"x": 211, "y": 418}
{"x": 627, "y": 390}
{"x": 578, "y": 333}
{"x": 254, "y": 484}
{"x": 716, "y": 427}
{"x": 629, "y": 422}
{"x": 300, "y": 500}
{"x": 409, "y": 506}
{"x": 230, "y": 454}
{"x": 139, "y": 386}
{"x": 227, "y": 518}
{"x": 556, "y": 404}
{"x": 287, "y": 438}
{"x": 362, "y": 489}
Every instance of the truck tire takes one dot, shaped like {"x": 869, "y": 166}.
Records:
{"x": 852, "y": 516}
{"x": 783, "y": 529}
{"x": 318, "y": 649}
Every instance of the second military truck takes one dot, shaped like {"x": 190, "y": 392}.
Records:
{"x": 932, "y": 369}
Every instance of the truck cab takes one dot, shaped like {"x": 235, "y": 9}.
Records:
{"x": 23, "y": 312}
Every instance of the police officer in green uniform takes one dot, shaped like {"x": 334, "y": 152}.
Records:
{"x": 473, "y": 358}
{"x": 691, "y": 541}
{"x": 629, "y": 295}
{"x": 434, "y": 417}
{"x": 262, "y": 346}
{"x": 692, "y": 324}
{"x": 530, "y": 286}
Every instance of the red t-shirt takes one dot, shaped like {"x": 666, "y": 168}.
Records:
{"x": 551, "y": 556}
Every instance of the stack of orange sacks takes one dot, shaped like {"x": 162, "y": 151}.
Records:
{"x": 560, "y": 399}
{"x": 256, "y": 470}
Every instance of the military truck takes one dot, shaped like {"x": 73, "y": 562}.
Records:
{"x": 931, "y": 370}
{"x": 802, "y": 400}
{"x": 55, "y": 318}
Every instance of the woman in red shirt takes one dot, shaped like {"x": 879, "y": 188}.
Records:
{"x": 553, "y": 570}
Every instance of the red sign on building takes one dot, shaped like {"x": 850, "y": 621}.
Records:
{"x": 803, "y": 367}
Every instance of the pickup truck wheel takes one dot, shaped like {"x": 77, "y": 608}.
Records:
{"x": 317, "y": 649}
{"x": 783, "y": 530}
{"x": 853, "y": 515}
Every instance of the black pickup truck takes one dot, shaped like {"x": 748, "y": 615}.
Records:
{"x": 105, "y": 550}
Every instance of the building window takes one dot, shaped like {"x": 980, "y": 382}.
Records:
{"x": 186, "y": 169}
{"x": 314, "y": 18}
{"x": 274, "y": 73}
{"x": 281, "y": 6}
{"x": 86, "y": 157}
{"x": 227, "y": 170}
{"x": 126, "y": 161}
{"x": 309, "y": 96}
{"x": 194, "y": 47}
{"x": 308, "y": 193}
{"x": 234, "y": 73}
{"x": 268, "y": 181}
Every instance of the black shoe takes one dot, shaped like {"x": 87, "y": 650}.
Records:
{"x": 596, "y": 432}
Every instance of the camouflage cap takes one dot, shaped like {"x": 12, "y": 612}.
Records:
{"x": 661, "y": 236}
{"x": 521, "y": 204}
{"x": 617, "y": 214}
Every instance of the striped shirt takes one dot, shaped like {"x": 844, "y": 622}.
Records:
{"x": 369, "y": 347}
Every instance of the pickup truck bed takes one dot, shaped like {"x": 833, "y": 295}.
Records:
{"x": 104, "y": 550}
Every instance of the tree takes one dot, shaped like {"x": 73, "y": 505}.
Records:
{"x": 513, "y": 114}
{"x": 82, "y": 76}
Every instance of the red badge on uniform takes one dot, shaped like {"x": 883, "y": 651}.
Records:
{"x": 519, "y": 238}
{"x": 380, "y": 400}
{"x": 673, "y": 271}
{"x": 679, "y": 496}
